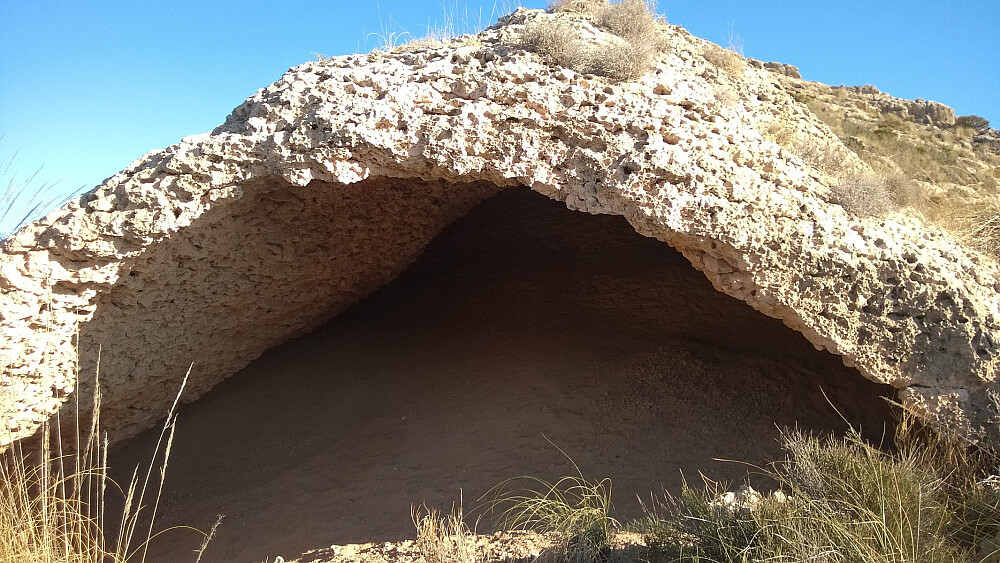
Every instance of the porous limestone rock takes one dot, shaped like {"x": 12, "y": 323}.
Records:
{"x": 326, "y": 184}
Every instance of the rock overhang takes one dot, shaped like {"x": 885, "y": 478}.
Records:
{"x": 326, "y": 184}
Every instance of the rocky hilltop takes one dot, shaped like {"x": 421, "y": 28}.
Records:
{"x": 327, "y": 184}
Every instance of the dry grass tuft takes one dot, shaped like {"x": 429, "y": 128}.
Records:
{"x": 573, "y": 508}
{"x": 975, "y": 223}
{"x": 421, "y": 44}
{"x": 781, "y": 131}
{"x": 22, "y": 201}
{"x": 444, "y": 538}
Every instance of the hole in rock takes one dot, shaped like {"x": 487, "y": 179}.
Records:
{"x": 521, "y": 319}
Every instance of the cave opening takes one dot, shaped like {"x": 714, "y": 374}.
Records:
{"x": 523, "y": 325}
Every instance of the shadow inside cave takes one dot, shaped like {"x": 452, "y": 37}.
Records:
{"x": 522, "y": 324}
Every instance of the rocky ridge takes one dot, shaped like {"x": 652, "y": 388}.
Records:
{"x": 326, "y": 184}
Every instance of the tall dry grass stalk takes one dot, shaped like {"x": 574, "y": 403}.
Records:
{"x": 21, "y": 201}
{"x": 53, "y": 505}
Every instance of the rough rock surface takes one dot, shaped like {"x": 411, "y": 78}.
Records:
{"x": 328, "y": 183}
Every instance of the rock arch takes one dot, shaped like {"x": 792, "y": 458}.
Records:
{"x": 521, "y": 325}
{"x": 326, "y": 184}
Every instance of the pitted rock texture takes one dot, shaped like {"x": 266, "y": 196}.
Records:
{"x": 328, "y": 183}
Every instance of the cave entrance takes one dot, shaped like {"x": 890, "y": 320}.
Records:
{"x": 522, "y": 323}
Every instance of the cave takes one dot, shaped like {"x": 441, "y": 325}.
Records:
{"x": 524, "y": 334}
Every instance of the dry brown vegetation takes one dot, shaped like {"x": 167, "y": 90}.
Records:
{"x": 628, "y": 56}
{"x": 579, "y": 6}
{"x": 53, "y": 503}
{"x": 936, "y": 172}
{"x": 444, "y": 538}
{"x": 864, "y": 195}
{"x": 729, "y": 61}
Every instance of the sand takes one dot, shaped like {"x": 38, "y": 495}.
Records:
{"x": 523, "y": 327}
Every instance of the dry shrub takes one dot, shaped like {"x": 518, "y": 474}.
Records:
{"x": 632, "y": 20}
{"x": 444, "y": 538}
{"x": 830, "y": 159}
{"x": 620, "y": 60}
{"x": 974, "y": 122}
{"x": 578, "y": 6}
{"x": 905, "y": 192}
{"x": 556, "y": 41}
{"x": 730, "y": 62}
{"x": 863, "y": 195}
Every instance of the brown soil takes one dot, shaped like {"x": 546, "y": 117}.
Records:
{"x": 523, "y": 325}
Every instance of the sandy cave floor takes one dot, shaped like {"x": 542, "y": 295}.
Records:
{"x": 522, "y": 321}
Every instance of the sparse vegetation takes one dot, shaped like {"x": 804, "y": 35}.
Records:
{"x": 629, "y": 55}
{"x": 841, "y": 499}
{"x": 927, "y": 497}
{"x": 938, "y": 173}
{"x": 580, "y": 6}
{"x": 454, "y": 23}
{"x": 920, "y": 152}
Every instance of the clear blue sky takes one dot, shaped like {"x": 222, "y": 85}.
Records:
{"x": 88, "y": 86}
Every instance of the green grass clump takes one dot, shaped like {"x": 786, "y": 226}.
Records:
{"x": 931, "y": 500}
{"x": 576, "y": 510}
